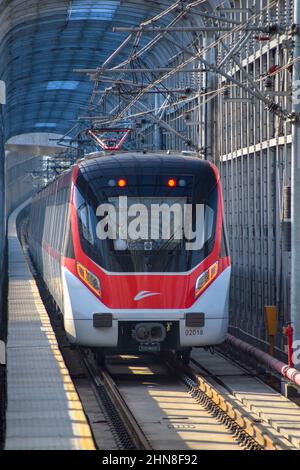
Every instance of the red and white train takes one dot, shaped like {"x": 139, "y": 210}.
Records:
{"x": 134, "y": 294}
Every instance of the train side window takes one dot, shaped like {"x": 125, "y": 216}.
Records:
{"x": 209, "y": 222}
{"x": 84, "y": 213}
{"x": 224, "y": 242}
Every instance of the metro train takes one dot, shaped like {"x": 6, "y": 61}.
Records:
{"x": 149, "y": 275}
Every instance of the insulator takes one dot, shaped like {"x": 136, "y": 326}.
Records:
{"x": 226, "y": 92}
{"x": 273, "y": 69}
{"x": 268, "y": 83}
{"x": 262, "y": 38}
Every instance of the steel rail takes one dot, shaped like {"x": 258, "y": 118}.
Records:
{"x": 131, "y": 424}
{"x": 102, "y": 377}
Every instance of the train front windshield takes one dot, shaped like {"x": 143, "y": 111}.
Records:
{"x": 147, "y": 223}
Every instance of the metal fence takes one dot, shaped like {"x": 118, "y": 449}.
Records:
{"x": 255, "y": 160}
{"x": 252, "y": 147}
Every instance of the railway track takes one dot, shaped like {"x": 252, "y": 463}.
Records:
{"x": 155, "y": 408}
{"x": 162, "y": 405}
{"x": 141, "y": 400}
{"x": 156, "y": 403}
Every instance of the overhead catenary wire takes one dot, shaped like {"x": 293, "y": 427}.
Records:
{"x": 159, "y": 80}
{"x": 150, "y": 44}
{"x": 185, "y": 63}
{"x": 134, "y": 55}
{"x": 211, "y": 94}
{"x": 215, "y": 92}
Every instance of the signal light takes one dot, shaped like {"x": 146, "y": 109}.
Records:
{"x": 172, "y": 183}
{"x": 122, "y": 183}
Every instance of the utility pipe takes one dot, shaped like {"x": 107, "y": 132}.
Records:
{"x": 271, "y": 362}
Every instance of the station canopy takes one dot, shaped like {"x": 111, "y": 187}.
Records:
{"x": 43, "y": 41}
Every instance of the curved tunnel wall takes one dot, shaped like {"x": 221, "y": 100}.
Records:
{"x": 20, "y": 184}
{"x": 23, "y": 166}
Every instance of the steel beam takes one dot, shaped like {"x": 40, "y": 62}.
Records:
{"x": 192, "y": 29}
{"x": 157, "y": 131}
{"x": 209, "y": 86}
{"x": 137, "y": 70}
{"x": 117, "y": 51}
{"x": 295, "y": 215}
{"x": 237, "y": 47}
{"x": 243, "y": 70}
{"x": 140, "y": 88}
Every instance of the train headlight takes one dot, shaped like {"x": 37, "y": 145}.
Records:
{"x": 205, "y": 278}
{"x": 89, "y": 279}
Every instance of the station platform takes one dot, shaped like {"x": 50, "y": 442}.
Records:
{"x": 43, "y": 409}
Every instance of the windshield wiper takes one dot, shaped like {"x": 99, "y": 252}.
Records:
{"x": 163, "y": 246}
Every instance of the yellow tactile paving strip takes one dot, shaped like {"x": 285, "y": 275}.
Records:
{"x": 43, "y": 407}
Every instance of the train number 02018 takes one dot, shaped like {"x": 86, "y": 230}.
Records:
{"x": 193, "y": 332}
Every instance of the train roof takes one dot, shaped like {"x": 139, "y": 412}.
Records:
{"x": 144, "y": 163}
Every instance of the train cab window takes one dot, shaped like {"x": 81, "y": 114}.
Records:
{"x": 146, "y": 217}
{"x": 147, "y": 248}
